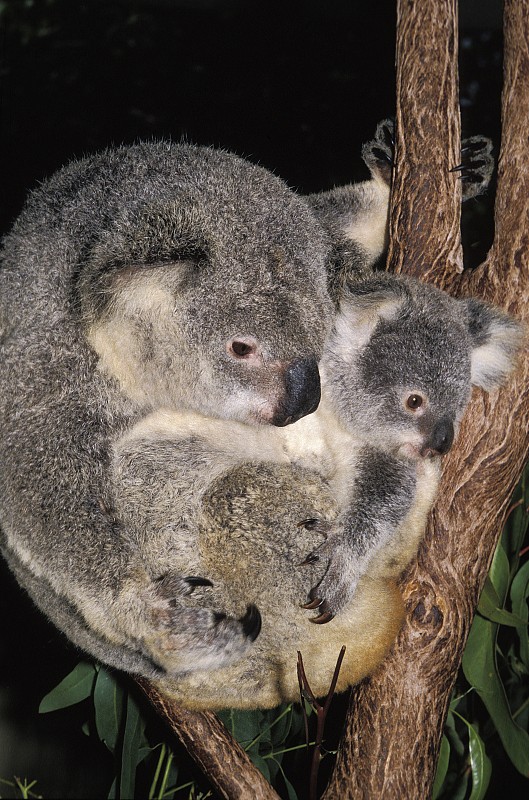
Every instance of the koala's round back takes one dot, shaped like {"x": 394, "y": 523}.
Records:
{"x": 145, "y": 277}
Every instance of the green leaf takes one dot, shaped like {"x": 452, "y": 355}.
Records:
{"x": 291, "y": 792}
{"x": 490, "y": 607}
{"x": 456, "y": 743}
{"x": 500, "y": 574}
{"x": 519, "y": 595}
{"x": 244, "y": 726}
{"x": 108, "y": 707}
{"x": 131, "y": 753}
{"x": 74, "y": 688}
{"x": 260, "y": 763}
{"x": 479, "y": 763}
{"x": 280, "y": 725}
{"x": 479, "y": 666}
{"x": 442, "y": 767}
{"x": 113, "y": 789}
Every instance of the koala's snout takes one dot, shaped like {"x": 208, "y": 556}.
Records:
{"x": 302, "y": 391}
{"x": 440, "y": 438}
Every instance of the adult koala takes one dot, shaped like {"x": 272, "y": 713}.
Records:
{"x": 152, "y": 278}
{"x": 157, "y": 276}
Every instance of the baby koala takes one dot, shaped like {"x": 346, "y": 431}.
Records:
{"x": 236, "y": 522}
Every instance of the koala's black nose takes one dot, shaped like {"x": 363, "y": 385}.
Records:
{"x": 440, "y": 439}
{"x": 302, "y": 391}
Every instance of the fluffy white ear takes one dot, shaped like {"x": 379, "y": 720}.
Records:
{"x": 363, "y": 305}
{"x": 496, "y": 339}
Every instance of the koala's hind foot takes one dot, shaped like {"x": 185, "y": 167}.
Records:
{"x": 180, "y": 633}
{"x": 477, "y": 165}
{"x": 378, "y": 153}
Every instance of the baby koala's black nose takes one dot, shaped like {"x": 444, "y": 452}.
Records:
{"x": 440, "y": 439}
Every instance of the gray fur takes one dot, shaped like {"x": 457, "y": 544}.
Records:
{"x": 157, "y": 276}
{"x": 163, "y": 310}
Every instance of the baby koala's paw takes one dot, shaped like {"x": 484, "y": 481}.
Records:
{"x": 339, "y": 582}
{"x": 183, "y": 635}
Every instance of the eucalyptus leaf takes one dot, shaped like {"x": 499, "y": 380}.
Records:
{"x": 108, "y": 707}
{"x": 479, "y": 666}
{"x": 456, "y": 743}
{"x": 519, "y": 595}
{"x": 291, "y": 792}
{"x": 500, "y": 574}
{"x": 244, "y": 726}
{"x": 490, "y": 607}
{"x": 281, "y": 725}
{"x": 480, "y": 763}
{"x": 112, "y": 792}
{"x": 260, "y": 763}
{"x": 131, "y": 749}
{"x": 442, "y": 767}
{"x": 74, "y": 688}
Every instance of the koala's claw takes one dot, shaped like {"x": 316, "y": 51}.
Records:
{"x": 312, "y": 558}
{"x": 476, "y": 167}
{"x": 312, "y": 604}
{"x": 325, "y": 614}
{"x": 171, "y": 586}
{"x": 194, "y": 581}
{"x": 323, "y": 617}
{"x": 338, "y": 585}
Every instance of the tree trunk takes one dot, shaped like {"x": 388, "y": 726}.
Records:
{"x": 395, "y": 720}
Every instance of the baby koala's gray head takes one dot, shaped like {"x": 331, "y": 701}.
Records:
{"x": 402, "y": 357}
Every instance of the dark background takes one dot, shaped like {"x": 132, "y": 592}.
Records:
{"x": 294, "y": 86}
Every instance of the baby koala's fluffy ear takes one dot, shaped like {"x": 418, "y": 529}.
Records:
{"x": 365, "y": 303}
{"x": 496, "y": 339}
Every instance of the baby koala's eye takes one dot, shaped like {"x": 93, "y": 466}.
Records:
{"x": 414, "y": 401}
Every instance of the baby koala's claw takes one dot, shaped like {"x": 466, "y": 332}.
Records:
{"x": 321, "y": 604}
{"x": 312, "y": 604}
{"x": 251, "y": 622}
{"x": 322, "y": 618}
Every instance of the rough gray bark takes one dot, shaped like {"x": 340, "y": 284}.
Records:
{"x": 395, "y": 720}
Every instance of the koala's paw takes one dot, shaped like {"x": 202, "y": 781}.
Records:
{"x": 182, "y": 637}
{"x": 477, "y": 165}
{"x": 338, "y": 585}
{"x": 378, "y": 153}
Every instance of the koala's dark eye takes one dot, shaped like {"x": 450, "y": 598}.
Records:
{"x": 241, "y": 348}
{"x": 414, "y": 401}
